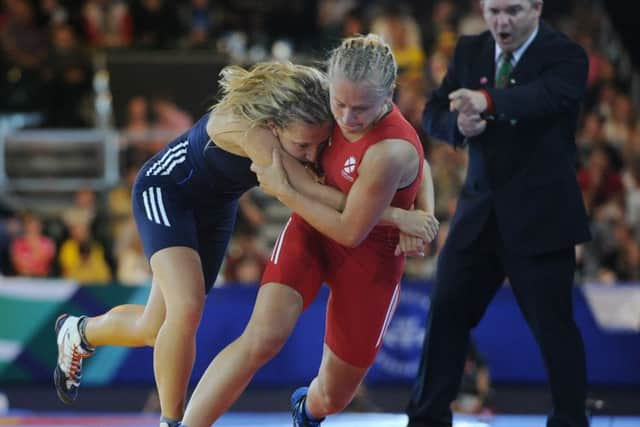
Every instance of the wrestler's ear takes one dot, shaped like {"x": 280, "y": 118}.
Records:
{"x": 274, "y": 129}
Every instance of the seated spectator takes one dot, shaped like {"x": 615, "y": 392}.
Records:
{"x": 631, "y": 181}
{"x": 399, "y": 28}
{"x": 86, "y": 206}
{"x": 137, "y": 121}
{"x": 620, "y": 124}
{"x": 133, "y": 266}
{"x": 68, "y": 74}
{"x": 107, "y": 23}
{"x": 246, "y": 260}
{"x": 119, "y": 203}
{"x": 9, "y": 230}
{"x": 32, "y": 253}
{"x": 54, "y": 12}
{"x": 169, "y": 117}
{"x": 599, "y": 181}
{"x": 589, "y": 134}
{"x": 23, "y": 47}
{"x": 82, "y": 258}
{"x": 202, "y": 20}
{"x": 155, "y": 23}
{"x": 472, "y": 22}
{"x": 264, "y": 214}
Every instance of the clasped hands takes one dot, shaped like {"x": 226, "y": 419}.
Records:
{"x": 469, "y": 104}
{"x": 417, "y": 227}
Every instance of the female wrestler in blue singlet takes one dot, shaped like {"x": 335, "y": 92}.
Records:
{"x": 185, "y": 200}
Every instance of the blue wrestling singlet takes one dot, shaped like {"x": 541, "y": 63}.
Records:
{"x": 187, "y": 195}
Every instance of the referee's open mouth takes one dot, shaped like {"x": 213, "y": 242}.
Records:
{"x": 505, "y": 37}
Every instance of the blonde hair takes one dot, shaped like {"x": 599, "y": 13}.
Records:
{"x": 365, "y": 59}
{"x": 276, "y": 92}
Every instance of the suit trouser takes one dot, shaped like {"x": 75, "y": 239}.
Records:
{"x": 466, "y": 281}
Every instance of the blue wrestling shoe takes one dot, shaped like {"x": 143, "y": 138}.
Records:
{"x": 71, "y": 351}
{"x": 300, "y": 418}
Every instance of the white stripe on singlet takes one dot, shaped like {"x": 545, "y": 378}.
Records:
{"x": 163, "y": 213}
{"x": 160, "y": 164}
{"x": 390, "y": 311}
{"x": 275, "y": 254}
{"x": 145, "y": 199}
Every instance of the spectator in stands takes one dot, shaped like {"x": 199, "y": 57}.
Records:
{"x": 631, "y": 182}
{"x": 590, "y": 134}
{"x": 449, "y": 166}
{"x": 471, "y": 22}
{"x": 599, "y": 182}
{"x": 137, "y": 120}
{"x": 202, "y": 21}
{"x": 32, "y": 253}
{"x": 443, "y": 17}
{"x": 598, "y": 62}
{"x": 396, "y": 25}
{"x": 625, "y": 263}
{"x": 168, "y": 117}
{"x": 119, "y": 203}
{"x": 155, "y": 23}
{"x": 107, "y": 23}
{"x": 138, "y": 138}
{"x": 620, "y": 124}
{"x": 354, "y": 23}
{"x": 88, "y": 207}
{"x": 246, "y": 258}
{"x": 410, "y": 98}
{"x": 60, "y": 12}
{"x": 81, "y": 257}
{"x": 133, "y": 267}
{"x": 263, "y": 213}
{"x": 68, "y": 74}
{"x": 23, "y": 47}
{"x": 10, "y": 229}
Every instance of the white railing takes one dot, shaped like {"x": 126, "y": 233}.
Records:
{"x": 58, "y": 160}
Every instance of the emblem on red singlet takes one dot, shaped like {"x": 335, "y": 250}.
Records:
{"x": 349, "y": 168}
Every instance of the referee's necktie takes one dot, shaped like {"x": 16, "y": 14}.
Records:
{"x": 504, "y": 69}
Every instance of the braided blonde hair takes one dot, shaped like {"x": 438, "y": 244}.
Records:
{"x": 275, "y": 92}
{"x": 365, "y": 59}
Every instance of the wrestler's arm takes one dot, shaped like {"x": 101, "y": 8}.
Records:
{"x": 259, "y": 146}
{"x": 379, "y": 177}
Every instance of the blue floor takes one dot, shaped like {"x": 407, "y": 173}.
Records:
{"x": 284, "y": 420}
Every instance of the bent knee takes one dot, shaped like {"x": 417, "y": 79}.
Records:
{"x": 149, "y": 333}
{"x": 262, "y": 346}
{"x": 185, "y": 313}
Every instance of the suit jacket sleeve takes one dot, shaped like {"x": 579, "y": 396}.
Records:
{"x": 558, "y": 89}
{"x": 437, "y": 120}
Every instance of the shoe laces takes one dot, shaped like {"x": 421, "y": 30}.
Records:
{"x": 72, "y": 362}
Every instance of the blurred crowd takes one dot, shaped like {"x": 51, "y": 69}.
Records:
{"x": 46, "y": 63}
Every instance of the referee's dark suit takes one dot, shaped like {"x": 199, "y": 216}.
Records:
{"x": 519, "y": 215}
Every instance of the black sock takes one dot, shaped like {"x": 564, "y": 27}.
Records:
{"x": 82, "y": 324}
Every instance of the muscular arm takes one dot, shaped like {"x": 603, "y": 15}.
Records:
{"x": 260, "y": 143}
{"x": 425, "y": 199}
{"x": 379, "y": 177}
